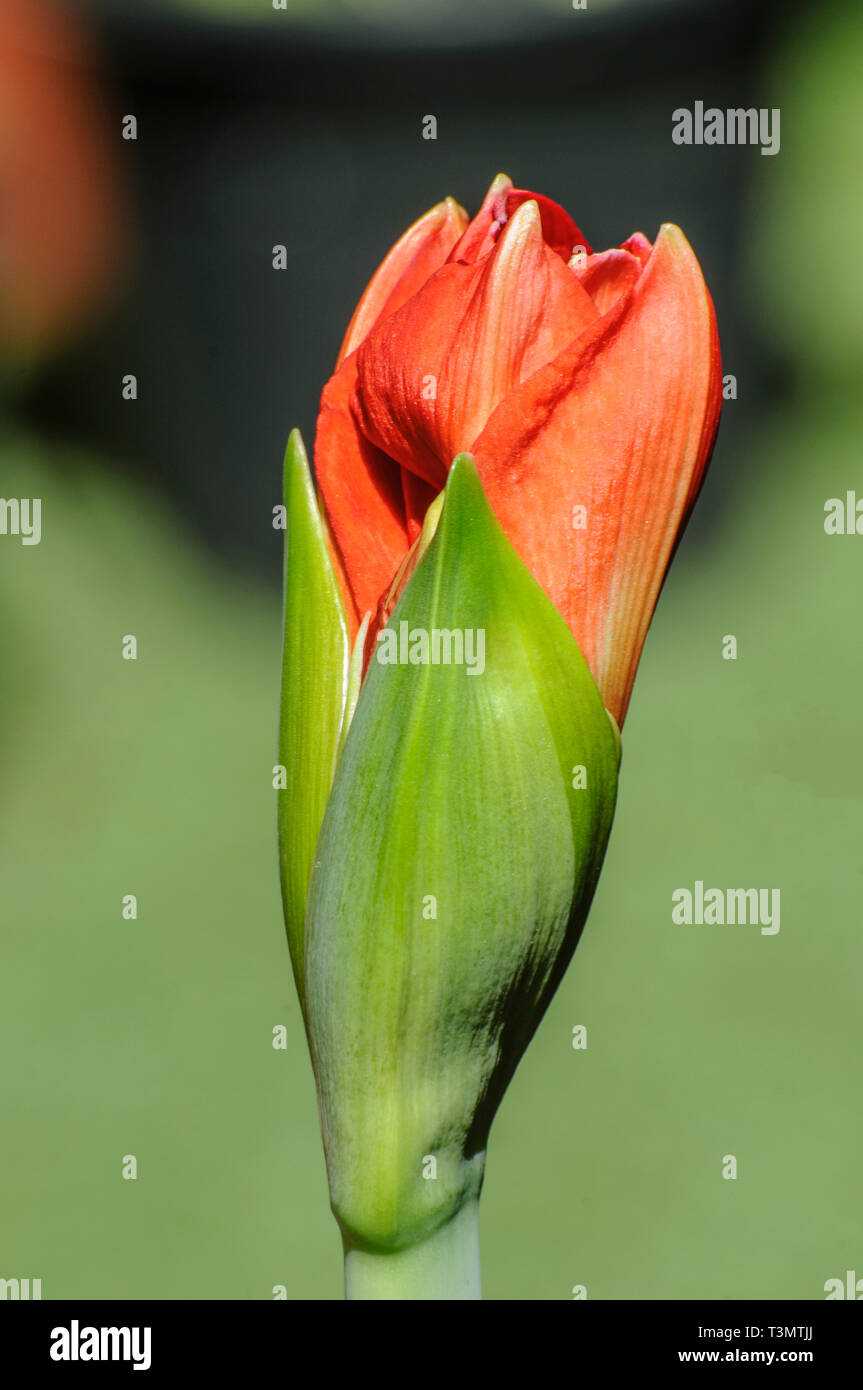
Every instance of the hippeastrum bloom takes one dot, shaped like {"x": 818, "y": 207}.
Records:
{"x": 443, "y": 817}
{"x": 586, "y": 385}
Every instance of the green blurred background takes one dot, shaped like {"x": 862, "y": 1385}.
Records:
{"x": 154, "y": 1037}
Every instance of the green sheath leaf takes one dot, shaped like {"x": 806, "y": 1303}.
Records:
{"x": 457, "y": 859}
{"x": 314, "y": 687}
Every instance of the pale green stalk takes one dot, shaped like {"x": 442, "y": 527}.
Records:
{"x": 443, "y": 1267}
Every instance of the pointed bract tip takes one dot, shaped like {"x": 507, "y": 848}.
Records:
{"x": 462, "y": 461}
{"x": 296, "y": 460}
{"x": 462, "y": 474}
{"x": 465, "y": 502}
{"x": 295, "y": 449}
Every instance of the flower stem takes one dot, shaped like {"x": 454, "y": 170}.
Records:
{"x": 444, "y": 1267}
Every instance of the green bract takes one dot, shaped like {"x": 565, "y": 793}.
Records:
{"x": 459, "y": 851}
{"x": 314, "y": 692}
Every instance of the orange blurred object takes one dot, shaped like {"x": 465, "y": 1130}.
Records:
{"x": 59, "y": 214}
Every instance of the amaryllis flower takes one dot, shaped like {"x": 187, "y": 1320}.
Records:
{"x": 508, "y": 407}
{"x": 586, "y": 385}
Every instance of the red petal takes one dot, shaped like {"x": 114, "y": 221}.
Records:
{"x": 558, "y": 229}
{"x": 501, "y": 202}
{"x": 482, "y": 233}
{"x": 361, "y": 492}
{"x": 622, "y": 423}
{"x": 418, "y": 497}
{"x": 432, "y": 374}
{"x": 608, "y": 276}
{"x": 416, "y": 255}
{"x": 638, "y": 246}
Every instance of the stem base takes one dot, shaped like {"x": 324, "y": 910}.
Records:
{"x": 444, "y": 1267}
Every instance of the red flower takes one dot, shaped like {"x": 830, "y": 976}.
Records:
{"x": 587, "y": 387}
